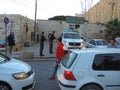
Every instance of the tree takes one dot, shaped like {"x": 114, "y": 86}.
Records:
{"x": 112, "y": 29}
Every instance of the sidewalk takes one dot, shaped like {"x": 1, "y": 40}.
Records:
{"x": 32, "y": 52}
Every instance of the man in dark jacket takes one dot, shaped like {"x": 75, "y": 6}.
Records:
{"x": 42, "y": 39}
{"x": 11, "y": 41}
{"x": 51, "y": 38}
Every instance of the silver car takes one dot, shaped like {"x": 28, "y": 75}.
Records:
{"x": 97, "y": 43}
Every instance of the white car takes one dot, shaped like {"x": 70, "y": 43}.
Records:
{"x": 97, "y": 43}
{"x": 71, "y": 40}
{"x": 90, "y": 69}
{"x": 15, "y": 74}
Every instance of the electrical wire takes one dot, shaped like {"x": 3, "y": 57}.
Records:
{"x": 21, "y": 3}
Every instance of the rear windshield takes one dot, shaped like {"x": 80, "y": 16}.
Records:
{"x": 68, "y": 60}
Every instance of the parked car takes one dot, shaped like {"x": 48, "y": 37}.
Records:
{"x": 71, "y": 40}
{"x": 15, "y": 74}
{"x": 97, "y": 43}
{"x": 117, "y": 40}
{"x": 2, "y": 45}
{"x": 90, "y": 69}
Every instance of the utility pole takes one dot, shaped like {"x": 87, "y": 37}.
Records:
{"x": 35, "y": 19}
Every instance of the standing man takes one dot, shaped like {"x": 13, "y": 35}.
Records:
{"x": 42, "y": 39}
{"x": 51, "y": 38}
{"x": 11, "y": 41}
{"x": 59, "y": 55}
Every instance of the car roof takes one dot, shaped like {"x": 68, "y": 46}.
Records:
{"x": 97, "y": 39}
{"x": 97, "y": 50}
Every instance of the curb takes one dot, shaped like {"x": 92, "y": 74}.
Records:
{"x": 37, "y": 59}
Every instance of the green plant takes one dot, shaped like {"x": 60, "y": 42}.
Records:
{"x": 112, "y": 29}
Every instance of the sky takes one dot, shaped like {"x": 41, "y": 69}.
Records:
{"x": 45, "y": 8}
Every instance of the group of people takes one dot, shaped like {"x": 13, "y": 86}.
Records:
{"x": 51, "y": 37}
{"x": 59, "y": 50}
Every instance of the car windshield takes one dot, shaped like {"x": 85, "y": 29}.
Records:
{"x": 71, "y": 36}
{"x": 68, "y": 60}
{"x": 3, "y": 58}
{"x": 101, "y": 43}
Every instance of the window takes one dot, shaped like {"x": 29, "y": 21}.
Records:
{"x": 101, "y": 42}
{"x": 92, "y": 42}
{"x": 69, "y": 59}
{"x": 106, "y": 62}
{"x": 71, "y": 35}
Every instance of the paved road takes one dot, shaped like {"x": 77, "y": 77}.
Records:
{"x": 43, "y": 70}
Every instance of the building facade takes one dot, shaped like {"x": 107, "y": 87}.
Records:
{"x": 22, "y": 27}
{"x": 103, "y": 11}
{"x": 51, "y": 25}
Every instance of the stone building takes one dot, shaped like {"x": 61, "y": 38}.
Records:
{"x": 51, "y": 25}
{"x": 104, "y": 11}
{"x": 90, "y": 31}
{"x": 22, "y": 27}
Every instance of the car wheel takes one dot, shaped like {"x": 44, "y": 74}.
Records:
{"x": 91, "y": 87}
{"x": 4, "y": 86}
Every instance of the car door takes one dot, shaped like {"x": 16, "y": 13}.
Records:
{"x": 106, "y": 67}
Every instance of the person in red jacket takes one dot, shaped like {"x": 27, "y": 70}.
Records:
{"x": 59, "y": 56}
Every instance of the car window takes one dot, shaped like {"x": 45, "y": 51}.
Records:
{"x": 98, "y": 42}
{"x": 71, "y": 35}
{"x": 105, "y": 42}
{"x": 68, "y": 60}
{"x": 101, "y": 43}
{"x": 92, "y": 42}
{"x": 3, "y": 58}
{"x": 106, "y": 62}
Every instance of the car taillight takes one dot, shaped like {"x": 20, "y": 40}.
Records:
{"x": 69, "y": 75}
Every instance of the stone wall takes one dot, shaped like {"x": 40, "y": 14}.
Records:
{"x": 103, "y": 11}
{"x": 91, "y": 31}
{"x": 17, "y": 24}
{"x": 51, "y": 25}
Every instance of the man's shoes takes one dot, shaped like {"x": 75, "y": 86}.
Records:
{"x": 42, "y": 55}
{"x": 52, "y": 78}
{"x": 51, "y": 52}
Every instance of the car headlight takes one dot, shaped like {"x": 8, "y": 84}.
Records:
{"x": 20, "y": 76}
{"x": 67, "y": 43}
{"x": 83, "y": 45}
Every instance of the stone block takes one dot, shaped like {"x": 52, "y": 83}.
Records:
{"x": 28, "y": 54}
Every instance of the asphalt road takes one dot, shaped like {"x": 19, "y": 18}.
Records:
{"x": 44, "y": 70}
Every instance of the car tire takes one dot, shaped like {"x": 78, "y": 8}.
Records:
{"x": 91, "y": 87}
{"x": 4, "y": 86}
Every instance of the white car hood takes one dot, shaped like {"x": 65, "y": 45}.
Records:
{"x": 14, "y": 66}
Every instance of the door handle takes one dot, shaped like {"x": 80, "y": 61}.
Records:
{"x": 101, "y": 75}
